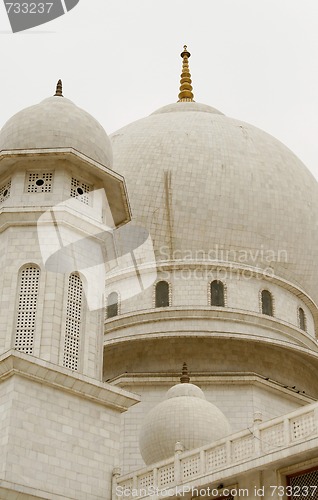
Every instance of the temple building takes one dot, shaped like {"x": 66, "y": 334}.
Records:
{"x": 158, "y": 304}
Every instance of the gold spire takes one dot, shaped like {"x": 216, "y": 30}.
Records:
{"x": 186, "y": 94}
{"x": 59, "y": 89}
{"x": 185, "y": 379}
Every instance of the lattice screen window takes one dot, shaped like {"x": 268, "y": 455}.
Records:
{"x": 304, "y": 484}
{"x": 243, "y": 448}
{"x": 26, "y": 315}
{"x": 166, "y": 475}
{"x": 303, "y": 426}
{"x": 127, "y": 486}
{"x": 272, "y": 437}
{"x": 39, "y": 182}
{"x": 145, "y": 481}
{"x": 5, "y": 191}
{"x": 190, "y": 466}
{"x": 73, "y": 322}
{"x": 216, "y": 457}
{"x": 80, "y": 190}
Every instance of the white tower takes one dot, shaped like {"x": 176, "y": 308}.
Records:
{"x": 60, "y": 201}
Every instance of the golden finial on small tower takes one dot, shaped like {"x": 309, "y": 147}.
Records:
{"x": 186, "y": 94}
{"x": 185, "y": 379}
{"x": 59, "y": 89}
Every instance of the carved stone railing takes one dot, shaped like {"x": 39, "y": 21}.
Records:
{"x": 260, "y": 440}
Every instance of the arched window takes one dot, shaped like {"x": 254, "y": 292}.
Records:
{"x": 217, "y": 293}
{"x": 267, "y": 303}
{"x": 28, "y": 290}
{"x": 112, "y": 305}
{"x": 162, "y": 294}
{"x": 302, "y": 319}
{"x": 74, "y": 312}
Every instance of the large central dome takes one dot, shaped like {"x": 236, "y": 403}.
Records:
{"x": 210, "y": 187}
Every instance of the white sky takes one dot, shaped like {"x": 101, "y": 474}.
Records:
{"x": 255, "y": 60}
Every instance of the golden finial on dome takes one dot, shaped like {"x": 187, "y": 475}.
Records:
{"x": 185, "y": 379}
{"x": 59, "y": 89}
{"x": 186, "y": 94}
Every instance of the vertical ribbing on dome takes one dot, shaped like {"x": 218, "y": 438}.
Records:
{"x": 185, "y": 379}
{"x": 59, "y": 89}
{"x": 186, "y": 94}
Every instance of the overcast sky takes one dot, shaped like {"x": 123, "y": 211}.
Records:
{"x": 255, "y": 60}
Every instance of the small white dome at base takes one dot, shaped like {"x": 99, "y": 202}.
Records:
{"x": 184, "y": 416}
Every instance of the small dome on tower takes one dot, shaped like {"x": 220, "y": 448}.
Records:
{"x": 184, "y": 416}
{"x": 57, "y": 122}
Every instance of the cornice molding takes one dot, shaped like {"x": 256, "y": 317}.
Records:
{"x": 14, "y": 363}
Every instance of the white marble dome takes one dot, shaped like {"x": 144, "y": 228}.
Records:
{"x": 203, "y": 183}
{"x": 57, "y": 122}
{"x": 185, "y": 416}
